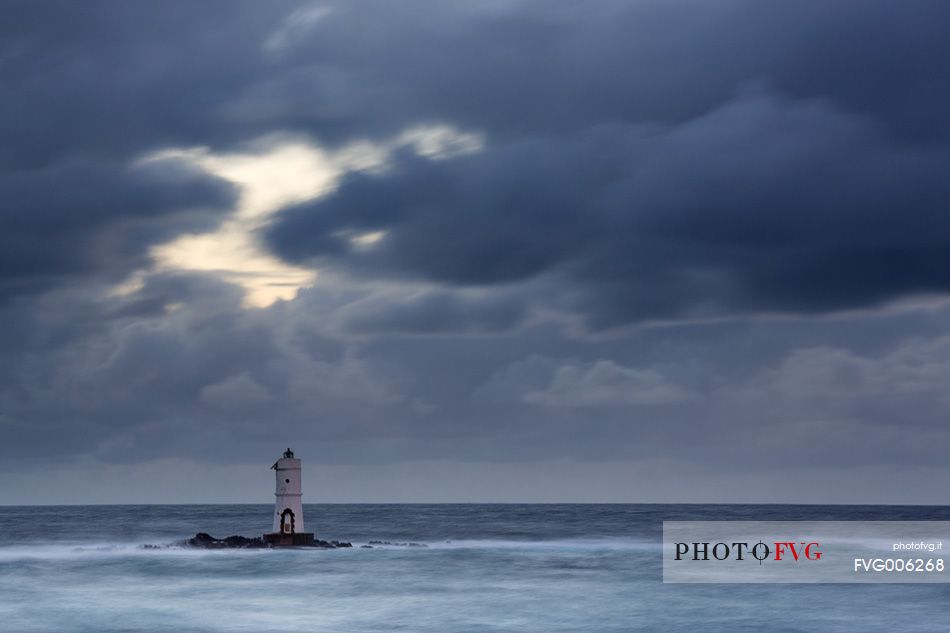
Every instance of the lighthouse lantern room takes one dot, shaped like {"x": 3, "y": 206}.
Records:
{"x": 288, "y": 509}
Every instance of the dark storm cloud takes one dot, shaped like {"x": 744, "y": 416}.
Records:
{"x": 642, "y": 161}
{"x": 79, "y": 217}
{"x": 186, "y": 372}
{"x": 594, "y": 116}
{"x": 491, "y": 64}
{"x": 112, "y": 79}
{"x": 432, "y": 312}
{"x": 523, "y": 68}
{"x": 763, "y": 203}
{"x": 750, "y": 158}
{"x": 87, "y": 90}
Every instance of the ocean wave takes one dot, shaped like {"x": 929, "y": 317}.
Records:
{"x": 587, "y": 544}
{"x": 81, "y": 551}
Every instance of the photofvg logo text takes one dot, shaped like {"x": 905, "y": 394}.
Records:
{"x": 742, "y": 550}
{"x": 804, "y": 551}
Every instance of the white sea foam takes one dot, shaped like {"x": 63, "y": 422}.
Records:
{"x": 586, "y": 544}
{"x": 80, "y": 551}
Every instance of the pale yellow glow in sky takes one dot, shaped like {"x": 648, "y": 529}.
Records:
{"x": 267, "y": 181}
{"x": 282, "y": 172}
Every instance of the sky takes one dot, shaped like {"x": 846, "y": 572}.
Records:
{"x": 514, "y": 251}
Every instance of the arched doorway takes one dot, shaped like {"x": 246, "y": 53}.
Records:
{"x": 287, "y": 521}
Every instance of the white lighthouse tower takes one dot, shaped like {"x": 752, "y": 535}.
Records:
{"x": 288, "y": 509}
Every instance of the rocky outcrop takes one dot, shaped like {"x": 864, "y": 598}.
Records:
{"x": 206, "y": 541}
{"x": 331, "y": 544}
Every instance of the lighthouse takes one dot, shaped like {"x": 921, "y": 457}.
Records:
{"x": 288, "y": 509}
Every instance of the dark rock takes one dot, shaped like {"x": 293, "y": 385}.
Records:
{"x": 330, "y": 544}
{"x": 206, "y": 541}
{"x": 243, "y": 541}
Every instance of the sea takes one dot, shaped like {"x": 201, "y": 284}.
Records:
{"x": 467, "y": 568}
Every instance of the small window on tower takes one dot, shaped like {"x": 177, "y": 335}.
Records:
{"x": 286, "y": 481}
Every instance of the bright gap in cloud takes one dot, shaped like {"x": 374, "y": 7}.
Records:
{"x": 280, "y": 172}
